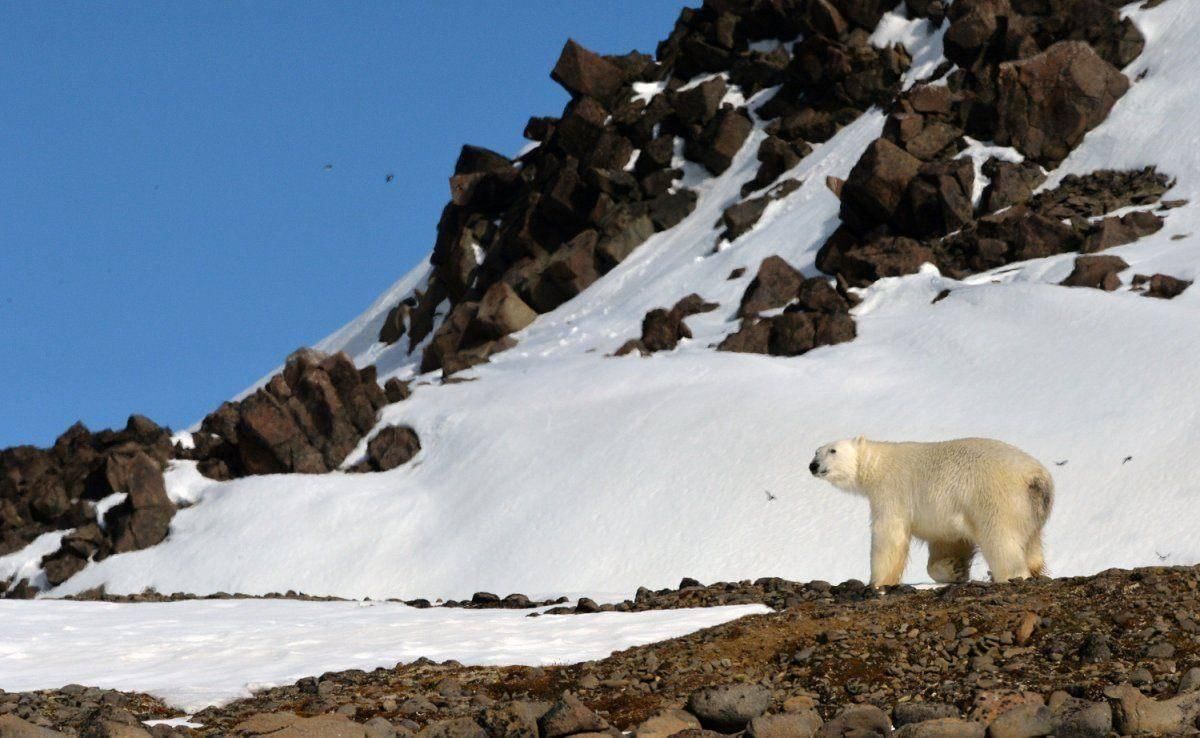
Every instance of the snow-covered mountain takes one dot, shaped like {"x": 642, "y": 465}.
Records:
{"x": 557, "y": 467}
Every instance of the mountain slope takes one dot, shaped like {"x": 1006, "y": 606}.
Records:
{"x": 561, "y": 469}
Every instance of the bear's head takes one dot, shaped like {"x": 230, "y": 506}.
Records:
{"x": 837, "y": 463}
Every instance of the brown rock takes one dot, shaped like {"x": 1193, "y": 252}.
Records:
{"x": 1045, "y": 104}
{"x": 752, "y": 337}
{"x": 720, "y": 140}
{"x": 1096, "y": 271}
{"x": 1166, "y": 287}
{"x": 876, "y": 185}
{"x": 585, "y": 73}
{"x": 775, "y": 285}
{"x": 569, "y": 716}
{"x": 393, "y": 446}
{"x": 501, "y": 311}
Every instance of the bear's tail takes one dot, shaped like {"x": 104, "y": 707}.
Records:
{"x": 1041, "y": 494}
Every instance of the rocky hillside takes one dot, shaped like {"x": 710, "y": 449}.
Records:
{"x": 818, "y": 218}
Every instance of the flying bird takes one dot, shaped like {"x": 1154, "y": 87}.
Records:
{"x": 770, "y": 497}
{"x": 328, "y": 167}
{"x": 389, "y": 178}
{"x": 1127, "y": 460}
{"x": 1061, "y": 463}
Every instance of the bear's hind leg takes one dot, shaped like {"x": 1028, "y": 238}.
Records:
{"x": 1006, "y": 559}
{"x": 950, "y": 561}
{"x": 1035, "y": 559}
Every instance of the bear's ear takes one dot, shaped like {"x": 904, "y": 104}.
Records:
{"x": 860, "y": 440}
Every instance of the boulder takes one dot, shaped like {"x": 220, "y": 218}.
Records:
{"x": 569, "y": 716}
{"x": 938, "y": 200}
{"x": 456, "y": 728}
{"x": 918, "y": 712}
{"x": 862, "y": 264}
{"x": 666, "y": 723}
{"x": 1009, "y": 184}
{"x": 1023, "y": 721}
{"x": 752, "y": 337}
{"x": 720, "y": 140}
{"x": 698, "y": 105}
{"x": 877, "y": 185}
{"x": 728, "y": 708}
{"x": 775, "y": 285}
{"x": 392, "y": 446}
{"x": 1136, "y": 714}
{"x": 1117, "y": 231}
{"x": 860, "y": 721}
{"x": 662, "y": 329}
{"x": 12, "y": 726}
{"x": 792, "y": 334}
{"x": 803, "y": 724}
{"x": 1166, "y": 287}
{"x": 585, "y": 73}
{"x": 1099, "y": 272}
{"x": 946, "y": 727}
{"x": 144, "y": 518}
{"x": 501, "y": 312}
{"x": 1047, "y": 103}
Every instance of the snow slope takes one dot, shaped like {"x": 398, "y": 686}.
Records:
{"x": 198, "y": 653}
{"x": 561, "y": 469}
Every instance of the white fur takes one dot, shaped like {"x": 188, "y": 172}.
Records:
{"x": 955, "y": 495}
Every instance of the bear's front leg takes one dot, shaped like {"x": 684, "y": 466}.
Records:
{"x": 889, "y": 550}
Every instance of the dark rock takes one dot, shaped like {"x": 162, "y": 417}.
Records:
{"x": 667, "y": 211}
{"x": 1166, "y": 287}
{"x": 1045, "y": 104}
{"x": 1023, "y": 721}
{"x": 792, "y": 334}
{"x": 728, "y": 708}
{"x": 569, "y": 716}
{"x": 662, "y": 329}
{"x": 862, "y": 264}
{"x": 938, "y": 200}
{"x": 917, "y": 712}
{"x": 945, "y": 727}
{"x": 720, "y": 140}
{"x": 741, "y": 217}
{"x": 392, "y": 446}
{"x": 501, "y": 312}
{"x": 860, "y": 722}
{"x": 699, "y": 104}
{"x": 1010, "y": 184}
{"x": 1096, "y": 271}
{"x": 396, "y": 390}
{"x": 786, "y": 725}
{"x": 585, "y": 73}
{"x": 774, "y": 286}
{"x": 877, "y": 184}
{"x": 1117, "y": 231}
{"x": 752, "y": 337}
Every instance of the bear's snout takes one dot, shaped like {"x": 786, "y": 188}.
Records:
{"x": 813, "y": 466}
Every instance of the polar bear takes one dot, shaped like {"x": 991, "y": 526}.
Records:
{"x": 955, "y": 495}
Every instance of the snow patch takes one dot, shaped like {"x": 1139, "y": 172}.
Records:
{"x": 198, "y": 653}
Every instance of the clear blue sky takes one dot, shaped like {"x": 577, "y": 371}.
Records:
{"x": 168, "y": 230}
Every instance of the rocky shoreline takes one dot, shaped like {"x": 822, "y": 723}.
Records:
{"x": 1115, "y": 653}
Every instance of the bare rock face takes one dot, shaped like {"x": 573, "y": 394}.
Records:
{"x": 1047, "y": 103}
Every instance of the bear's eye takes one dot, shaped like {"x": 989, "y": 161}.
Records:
{"x": 833, "y": 450}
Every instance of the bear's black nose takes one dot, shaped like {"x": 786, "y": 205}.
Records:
{"x": 812, "y": 467}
